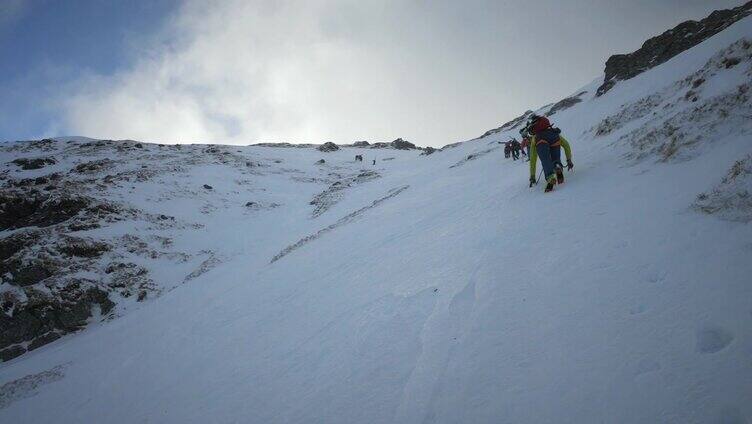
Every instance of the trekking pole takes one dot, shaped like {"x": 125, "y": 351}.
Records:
{"x": 539, "y": 177}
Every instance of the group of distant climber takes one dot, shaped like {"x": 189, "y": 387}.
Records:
{"x": 359, "y": 158}
{"x": 542, "y": 140}
{"x": 513, "y": 148}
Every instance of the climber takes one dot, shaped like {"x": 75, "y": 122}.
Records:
{"x": 507, "y": 149}
{"x": 547, "y": 142}
{"x": 515, "y": 149}
{"x": 525, "y": 146}
{"x": 525, "y": 141}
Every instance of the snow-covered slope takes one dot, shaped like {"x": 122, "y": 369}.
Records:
{"x": 444, "y": 290}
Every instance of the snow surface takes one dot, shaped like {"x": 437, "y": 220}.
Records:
{"x": 465, "y": 297}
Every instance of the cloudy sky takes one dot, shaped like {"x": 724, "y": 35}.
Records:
{"x": 245, "y": 71}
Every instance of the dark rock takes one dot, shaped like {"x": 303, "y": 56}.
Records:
{"x": 22, "y": 326}
{"x": 62, "y": 311}
{"x": 40, "y": 180}
{"x": 141, "y": 296}
{"x": 566, "y": 103}
{"x": 250, "y": 204}
{"x": 101, "y": 298}
{"x": 507, "y": 126}
{"x": 74, "y": 315}
{"x": 33, "y": 163}
{"x": 208, "y": 187}
{"x": 11, "y": 352}
{"x": 361, "y": 144}
{"x": 25, "y": 182}
{"x": 428, "y": 151}
{"x": 115, "y": 266}
{"x": 19, "y": 210}
{"x": 43, "y": 340}
{"x": 328, "y": 147}
{"x": 139, "y": 146}
{"x": 92, "y": 166}
{"x": 660, "y": 49}
{"x": 401, "y": 144}
{"x": 32, "y": 273}
{"x": 285, "y": 145}
{"x": 451, "y": 146}
{"x": 320, "y": 162}
{"x": 83, "y": 248}
{"x": 14, "y": 243}
{"x": 730, "y": 62}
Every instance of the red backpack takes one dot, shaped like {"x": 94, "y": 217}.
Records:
{"x": 541, "y": 124}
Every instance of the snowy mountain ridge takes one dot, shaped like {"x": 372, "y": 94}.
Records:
{"x": 256, "y": 284}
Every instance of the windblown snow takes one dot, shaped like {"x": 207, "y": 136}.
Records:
{"x": 422, "y": 289}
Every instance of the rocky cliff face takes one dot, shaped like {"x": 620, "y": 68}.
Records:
{"x": 90, "y": 229}
{"x": 62, "y": 263}
{"x": 658, "y": 50}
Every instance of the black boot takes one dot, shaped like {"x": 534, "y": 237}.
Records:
{"x": 559, "y": 175}
{"x": 550, "y": 185}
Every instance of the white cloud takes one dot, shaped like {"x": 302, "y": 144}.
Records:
{"x": 241, "y": 72}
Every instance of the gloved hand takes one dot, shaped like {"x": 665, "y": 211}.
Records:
{"x": 532, "y": 181}
{"x": 570, "y": 165}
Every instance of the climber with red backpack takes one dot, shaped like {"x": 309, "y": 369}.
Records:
{"x": 546, "y": 143}
{"x": 525, "y": 146}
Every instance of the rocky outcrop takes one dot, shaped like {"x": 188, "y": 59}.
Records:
{"x": 328, "y": 147}
{"x": 658, "y": 50}
{"x": 428, "y": 151}
{"x": 514, "y": 123}
{"x": 566, "y": 103}
{"x": 475, "y": 156}
{"x": 56, "y": 277}
{"x": 323, "y": 201}
{"x": 33, "y": 208}
{"x": 33, "y": 163}
{"x": 674, "y": 124}
{"x": 45, "y": 316}
{"x": 398, "y": 144}
{"x": 285, "y": 145}
{"x": 401, "y": 144}
{"x": 82, "y": 248}
{"x": 93, "y": 166}
{"x": 731, "y": 199}
{"x": 451, "y": 145}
